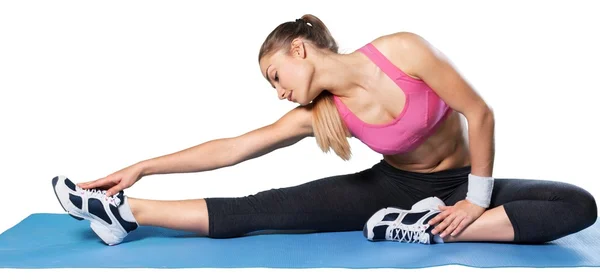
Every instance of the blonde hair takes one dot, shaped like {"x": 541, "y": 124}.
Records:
{"x": 329, "y": 130}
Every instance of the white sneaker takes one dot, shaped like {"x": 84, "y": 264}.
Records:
{"x": 93, "y": 205}
{"x": 432, "y": 202}
{"x": 410, "y": 226}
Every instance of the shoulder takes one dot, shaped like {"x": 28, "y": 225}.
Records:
{"x": 402, "y": 38}
{"x": 298, "y": 120}
{"x": 407, "y": 50}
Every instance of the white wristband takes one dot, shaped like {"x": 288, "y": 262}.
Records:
{"x": 480, "y": 190}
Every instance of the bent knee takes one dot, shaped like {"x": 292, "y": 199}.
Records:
{"x": 586, "y": 207}
{"x": 590, "y": 209}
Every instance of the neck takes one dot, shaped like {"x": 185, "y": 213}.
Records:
{"x": 341, "y": 74}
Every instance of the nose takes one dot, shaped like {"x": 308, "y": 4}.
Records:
{"x": 281, "y": 94}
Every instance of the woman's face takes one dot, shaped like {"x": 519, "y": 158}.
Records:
{"x": 290, "y": 73}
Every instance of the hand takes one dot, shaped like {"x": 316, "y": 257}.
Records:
{"x": 117, "y": 181}
{"x": 455, "y": 218}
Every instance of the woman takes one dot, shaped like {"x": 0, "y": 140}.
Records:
{"x": 396, "y": 94}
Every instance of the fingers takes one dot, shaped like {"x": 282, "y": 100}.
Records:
{"x": 104, "y": 182}
{"x": 441, "y": 216}
{"x": 114, "y": 190}
{"x": 91, "y": 184}
{"x": 444, "y": 224}
{"x": 451, "y": 228}
{"x": 83, "y": 184}
{"x": 461, "y": 226}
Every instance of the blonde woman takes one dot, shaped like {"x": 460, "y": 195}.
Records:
{"x": 399, "y": 96}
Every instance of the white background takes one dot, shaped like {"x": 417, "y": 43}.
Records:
{"x": 89, "y": 87}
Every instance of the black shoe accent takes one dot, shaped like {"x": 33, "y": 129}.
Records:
{"x": 128, "y": 226}
{"x": 430, "y": 235}
{"x": 54, "y": 181}
{"x": 430, "y": 217}
{"x": 428, "y": 231}
{"x": 121, "y": 195}
{"x": 70, "y": 184}
{"x": 379, "y": 232}
{"x": 96, "y": 208}
{"x": 391, "y": 217}
{"x": 76, "y": 200}
{"x": 412, "y": 218}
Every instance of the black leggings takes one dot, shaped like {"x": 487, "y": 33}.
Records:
{"x": 539, "y": 210}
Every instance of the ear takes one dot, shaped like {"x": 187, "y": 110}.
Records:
{"x": 298, "y": 49}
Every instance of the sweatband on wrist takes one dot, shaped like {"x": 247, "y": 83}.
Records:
{"x": 480, "y": 190}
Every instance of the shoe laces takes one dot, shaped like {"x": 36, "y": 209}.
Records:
{"x": 409, "y": 233}
{"x": 101, "y": 194}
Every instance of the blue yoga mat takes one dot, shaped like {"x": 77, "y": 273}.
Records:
{"x": 59, "y": 241}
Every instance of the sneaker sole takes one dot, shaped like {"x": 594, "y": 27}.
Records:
{"x": 105, "y": 234}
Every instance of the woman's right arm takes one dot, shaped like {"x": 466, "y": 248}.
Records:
{"x": 289, "y": 129}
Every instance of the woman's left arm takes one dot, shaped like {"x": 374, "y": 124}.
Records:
{"x": 430, "y": 65}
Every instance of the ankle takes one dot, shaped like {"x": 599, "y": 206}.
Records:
{"x": 126, "y": 209}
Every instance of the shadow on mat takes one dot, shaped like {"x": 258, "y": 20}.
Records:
{"x": 144, "y": 232}
{"x": 141, "y": 233}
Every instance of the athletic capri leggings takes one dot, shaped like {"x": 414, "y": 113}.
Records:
{"x": 539, "y": 210}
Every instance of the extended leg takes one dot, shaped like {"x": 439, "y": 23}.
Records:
{"x": 189, "y": 215}
{"x": 336, "y": 203}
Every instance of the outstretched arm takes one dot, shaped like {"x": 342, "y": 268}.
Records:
{"x": 289, "y": 129}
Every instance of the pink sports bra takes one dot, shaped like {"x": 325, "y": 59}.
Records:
{"x": 423, "y": 111}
